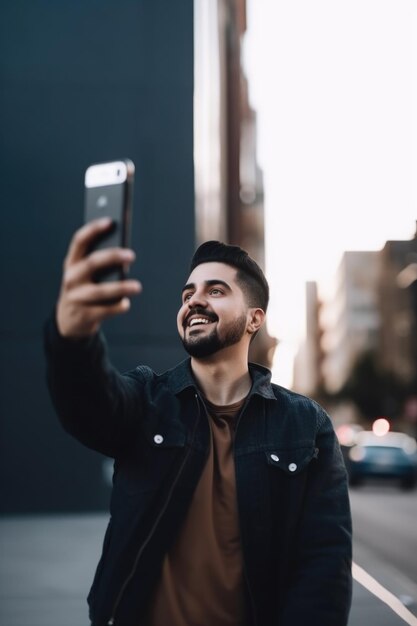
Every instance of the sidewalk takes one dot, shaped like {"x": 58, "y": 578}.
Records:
{"x": 47, "y": 564}
{"x": 46, "y": 567}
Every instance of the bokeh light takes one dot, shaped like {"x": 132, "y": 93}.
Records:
{"x": 380, "y": 427}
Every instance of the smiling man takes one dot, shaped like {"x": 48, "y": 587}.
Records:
{"x": 230, "y": 504}
{"x": 196, "y": 340}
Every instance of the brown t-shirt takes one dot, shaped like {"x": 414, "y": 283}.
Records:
{"x": 201, "y": 582}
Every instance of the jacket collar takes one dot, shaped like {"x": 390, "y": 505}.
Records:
{"x": 181, "y": 377}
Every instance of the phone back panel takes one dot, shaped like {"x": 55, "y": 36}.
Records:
{"x": 110, "y": 201}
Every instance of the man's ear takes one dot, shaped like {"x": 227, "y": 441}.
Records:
{"x": 256, "y": 319}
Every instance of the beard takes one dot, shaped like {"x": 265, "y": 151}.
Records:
{"x": 203, "y": 346}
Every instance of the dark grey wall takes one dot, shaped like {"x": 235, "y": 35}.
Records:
{"x": 83, "y": 82}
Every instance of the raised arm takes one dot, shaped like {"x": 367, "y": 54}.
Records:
{"x": 93, "y": 401}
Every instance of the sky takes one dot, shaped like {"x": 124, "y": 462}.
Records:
{"x": 334, "y": 84}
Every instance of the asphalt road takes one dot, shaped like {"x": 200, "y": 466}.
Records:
{"x": 385, "y": 520}
{"x": 385, "y": 538}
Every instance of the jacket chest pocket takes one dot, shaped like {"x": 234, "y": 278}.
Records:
{"x": 289, "y": 473}
{"x": 292, "y": 462}
{"x": 152, "y": 463}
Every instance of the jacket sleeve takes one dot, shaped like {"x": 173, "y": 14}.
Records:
{"x": 321, "y": 586}
{"x": 95, "y": 403}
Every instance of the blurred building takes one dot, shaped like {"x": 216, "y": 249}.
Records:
{"x": 307, "y": 377}
{"x": 158, "y": 82}
{"x": 81, "y": 83}
{"x": 228, "y": 180}
{"x": 397, "y": 294}
{"x": 370, "y": 320}
{"x": 350, "y": 318}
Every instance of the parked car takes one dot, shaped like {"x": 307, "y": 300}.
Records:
{"x": 391, "y": 456}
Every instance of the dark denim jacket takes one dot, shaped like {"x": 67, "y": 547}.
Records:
{"x": 291, "y": 485}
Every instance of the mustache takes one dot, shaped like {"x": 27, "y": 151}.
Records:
{"x": 199, "y": 310}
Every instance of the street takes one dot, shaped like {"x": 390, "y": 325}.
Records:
{"x": 47, "y": 562}
{"x": 385, "y": 541}
{"x": 385, "y": 521}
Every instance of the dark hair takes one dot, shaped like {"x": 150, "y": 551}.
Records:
{"x": 249, "y": 275}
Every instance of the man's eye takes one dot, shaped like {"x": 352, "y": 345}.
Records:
{"x": 216, "y": 292}
{"x": 187, "y": 296}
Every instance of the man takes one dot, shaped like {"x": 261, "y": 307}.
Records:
{"x": 230, "y": 503}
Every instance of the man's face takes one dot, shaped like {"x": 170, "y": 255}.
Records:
{"x": 214, "y": 313}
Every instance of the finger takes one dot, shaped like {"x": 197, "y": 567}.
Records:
{"x": 99, "y": 313}
{"x": 84, "y": 269}
{"x": 92, "y": 293}
{"x": 83, "y": 238}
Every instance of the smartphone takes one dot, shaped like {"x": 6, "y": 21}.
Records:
{"x": 109, "y": 193}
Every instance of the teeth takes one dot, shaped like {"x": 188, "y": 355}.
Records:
{"x": 199, "y": 320}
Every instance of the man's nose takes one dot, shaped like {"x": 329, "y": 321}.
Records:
{"x": 197, "y": 299}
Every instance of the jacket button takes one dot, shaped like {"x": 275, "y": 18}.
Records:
{"x": 292, "y": 467}
{"x": 158, "y": 439}
{"x": 275, "y": 458}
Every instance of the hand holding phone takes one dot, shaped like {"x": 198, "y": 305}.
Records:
{"x": 98, "y": 258}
